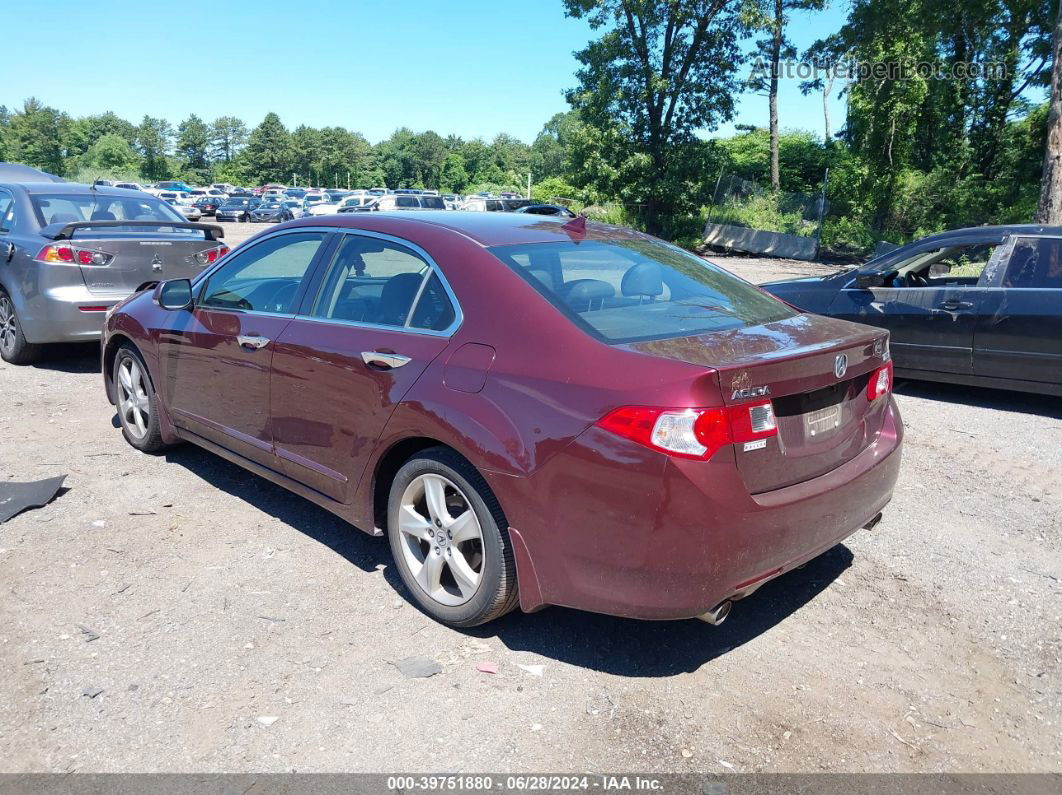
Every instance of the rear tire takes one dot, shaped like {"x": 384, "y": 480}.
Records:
{"x": 450, "y": 540}
{"x": 136, "y": 401}
{"x": 14, "y": 349}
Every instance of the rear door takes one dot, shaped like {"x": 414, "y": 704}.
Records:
{"x": 930, "y": 306}
{"x": 381, "y": 314}
{"x": 1019, "y": 333}
{"x": 215, "y": 359}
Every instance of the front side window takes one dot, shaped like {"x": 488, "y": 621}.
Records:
{"x": 264, "y": 278}
{"x": 383, "y": 283}
{"x": 639, "y": 289}
{"x": 1035, "y": 262}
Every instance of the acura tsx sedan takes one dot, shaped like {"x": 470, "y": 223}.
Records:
{"x": 534, "y": 411}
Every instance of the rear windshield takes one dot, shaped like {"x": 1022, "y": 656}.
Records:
{"x": 59, "y": 208}
{"x": 631, "y": 290}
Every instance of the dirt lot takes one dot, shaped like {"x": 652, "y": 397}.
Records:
{"x": 230, "y": 626}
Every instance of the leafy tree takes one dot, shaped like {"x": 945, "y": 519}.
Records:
{"x": 269, "y": 151}
{"x": 549, "y": 152}
{"x": 453, "y": 176}
{"x": 772, "y": 16}
{"x": 661, "y": 71}
{"x": 34, "y": 136}
{"x": 113, "y": 154}
{"x": 153, "y": 138}
{"x": 193, "y": 144}
{"x": 1049, "y": 210}
{"x": 228, "y": 135}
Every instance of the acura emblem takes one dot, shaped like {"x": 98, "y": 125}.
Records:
{"x": 840, "y": 365}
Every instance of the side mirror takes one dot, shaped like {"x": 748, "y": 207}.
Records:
{"x": 174, "y": 294}
{"x": 865, "y": 281}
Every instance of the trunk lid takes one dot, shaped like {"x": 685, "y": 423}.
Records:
{"x": 140, "y": 257}
{"x": 824, "y": 419}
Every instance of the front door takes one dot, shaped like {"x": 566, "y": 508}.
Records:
{"x": 380, "y": 316}
{"x": 929, "y": 306}
{"x": 215, "y": 359}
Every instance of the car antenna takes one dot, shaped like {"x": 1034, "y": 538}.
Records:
{"x": 576, "y": 226}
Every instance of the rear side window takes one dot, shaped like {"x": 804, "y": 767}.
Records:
{"x": 406, "y": 201}
{"x": 640, "y": 289}
{"x": 432, "y": 203}
{"x": 382, "y": 283}
{"x": 58, "y": 208}
{"x": 1035, "y": 262}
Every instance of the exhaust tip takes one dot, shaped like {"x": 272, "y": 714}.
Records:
{"x": 872, "y": 523}
{"x": 717, "y": 615}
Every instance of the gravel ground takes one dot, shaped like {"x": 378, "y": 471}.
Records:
{"x": 175, "y": 613}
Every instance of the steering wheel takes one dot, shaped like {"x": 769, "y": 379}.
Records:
{"x": 910, "y": 279}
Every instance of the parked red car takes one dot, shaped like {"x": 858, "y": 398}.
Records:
{"x": 534, "y": 412}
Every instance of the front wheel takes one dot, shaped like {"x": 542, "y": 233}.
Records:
{"x": 450, "y": 540}
{"x": 14, "y": 349}
{"x": 136, "y": 401}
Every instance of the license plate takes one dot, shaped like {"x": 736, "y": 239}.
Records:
{"x": 821, "y": 421}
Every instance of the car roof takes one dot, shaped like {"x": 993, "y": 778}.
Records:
{"x": 74, "y": 188}
{"x": 16, "y": 172}
{"x": 487, "y": 229}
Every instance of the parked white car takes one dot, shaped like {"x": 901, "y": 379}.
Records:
{"x": 178, "y": 198}
{"x": 130, "y": 186}
{"x": 199, "y": 193}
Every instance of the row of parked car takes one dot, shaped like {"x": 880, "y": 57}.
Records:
{"x": 275, "y": 203}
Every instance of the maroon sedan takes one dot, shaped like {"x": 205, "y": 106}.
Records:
{"x": 533, "y": 412}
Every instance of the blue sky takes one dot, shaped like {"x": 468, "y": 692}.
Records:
{"x": 466, "y": 67}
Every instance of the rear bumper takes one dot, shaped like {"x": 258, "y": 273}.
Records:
{"x": 58, "y": 314}
{"x": 633, "y": 533}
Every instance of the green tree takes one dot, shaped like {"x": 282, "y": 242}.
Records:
{"x": 228, "y": 135}
{"x": 772, "y": 16}
{"x": 453, "y": 176}
{"x": 153, "y": 138}
{"x": 269, "y": 151}
{"x": 549, "y": 152}
{"x": 34, "y": 136}
{"x": 113, "y": 154}
{"x": 193, "y": 143}
{"x": 661, "y": 71}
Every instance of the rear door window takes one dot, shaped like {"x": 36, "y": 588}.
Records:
{"x": 382, "y": 283}
{"x": 1035, "y": 262}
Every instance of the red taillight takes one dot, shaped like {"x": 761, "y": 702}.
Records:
{"x": 692, "y": 433}
{"x": 211, "y": 255}
{"x": 880, "y": 382}
{"x": 71, "y": 255}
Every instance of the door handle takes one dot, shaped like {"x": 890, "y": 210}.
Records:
{"x": 952, "y": 304}
{"x": 10, "y": 251}
{"x": 252, "y": 341}
{"x": 386, "y": 360}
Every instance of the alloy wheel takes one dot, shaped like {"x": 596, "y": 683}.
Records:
{"x": 441, "y": 539}
{"x": 133, "y": 399}
{"x": 8, "y": 331}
